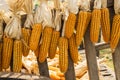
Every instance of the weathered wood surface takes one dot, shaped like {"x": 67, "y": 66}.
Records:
{"x": 43, "y": 68}
{"x": 91, "y": 53}
{"x": 20, "y": 76}
{"x": 101, "y": 46}
{"x": 116, "y": 54}
{"x": 70, "y": 74}
{"x": 116, "y": 61}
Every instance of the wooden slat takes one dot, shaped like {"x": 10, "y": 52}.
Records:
{"x": 116, "y": 54}
{"x": 91, "y": 54}
{"x": 20, "y": 76}
{"x": 43, "y": 68}
{"x": 70, "y": 74}
{"x": 116, "y": 61}
{"x": 91, "y": 57}
{"x": 102, "y": 46}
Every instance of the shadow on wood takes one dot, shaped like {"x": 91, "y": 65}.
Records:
{"x": 43, "y": 68}
{"x": 70, "y": 74}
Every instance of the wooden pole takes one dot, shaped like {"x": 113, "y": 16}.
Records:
{"x": 91, "y": 53}
{"x": 70, "y": 74}
{"x": 43, "y": 68}
{"x": 116, "y": 54}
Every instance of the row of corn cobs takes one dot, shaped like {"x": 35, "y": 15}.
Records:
{"x": 51, "y": 39}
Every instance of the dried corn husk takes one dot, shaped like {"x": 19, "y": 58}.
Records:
{"x": 13, "y": 27}
{"x": 28, "y": 9}
{"x": 1, "y": 25}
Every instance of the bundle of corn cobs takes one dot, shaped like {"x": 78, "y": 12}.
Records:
{"x": 43, "y": 31}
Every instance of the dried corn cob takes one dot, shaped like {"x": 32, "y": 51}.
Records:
{"x": 46, "y": 39}
{"x": 73, "y": 49}
{"x": 1, "y": 47}
{"x": 63, "y": 54}
{"x": 35, "y": 36}
{"x": 81, "y": 26}
{"x": 115, "y": 34}
{"x": 37, "y": 51}
{"x": 7, "y": 52}
{"x": 26, "y": 37}
{"x": 17, "y": 56}
{"x": 88, "y": 19}
{"x": 53, "y": 44}
{"x": 105, "y": 21}
{"x": 70, "y": 25}
{"x": 95, "y": 25}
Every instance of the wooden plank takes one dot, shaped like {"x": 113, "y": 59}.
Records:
{"x": 91, "y": 53}
{"x": 20, "y": 76}
{"x": 70, "y": 74}
{"x": 43, "y": 68}
{"x": 91, "y": 57}
{"x": 102, "y": 46}
{"x": 116, "y": 54}
{"x": 116, "y": 61}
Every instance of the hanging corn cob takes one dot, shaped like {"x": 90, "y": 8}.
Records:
{"x": 63, "y": 54}
{"x": 36, "y": 29}
{"x": 63, "y": 50}
{"x": 81, "y": 27}
{"x": 95, "y": 22}
{"x": 37, "y": 52}
{"x": 44, "y": 47}
{"x": 35, "y": 36}
{"x": 115, "y": 34}
{"x": 71, "y": 20}
{"x": 26, "y": 31}
{"x": 73, "y": 49}
{"x": 17, "y": 56}
{"x": 26, "y": 37}
{"x": 47, "y": 32}
{"x": 13, "y": 30}
{"x": 105, "y": 21}
{"x": 1, "y": 47}
{"x": 1, "y": 39}
{"x": 7, "y": 52}
{"x": 53, "y": 44}
{"x": 83, "y": 21}
{"x": 56, "y": 33}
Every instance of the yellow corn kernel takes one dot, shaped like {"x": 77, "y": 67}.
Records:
{"x": 26, "y": 37}
{"x": 95, "y": 25}
{"x": 105, "y": 21}
{"x": 44, "y": 47}
{"x": 17, "y": 56}
{"x": 7, "y": 52}
{"x": 53, "y": 44}
{"x": 73, "y": 49}
{"x": 70, "y": 25}
{"x": 1, "y": 48}
{"x": 81, "y": 26}
{"x": 63, "y": 54}
{"x": 115, "y": 34}
{"x": 35, "y": 36}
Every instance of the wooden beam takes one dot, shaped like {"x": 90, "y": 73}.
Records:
{"x": 116, "y": 54}
{"x": 91, "y": 57}
{"x": 91, "y": 53}
{"x": 102, "y": 46}
{"x": 116, "y": 61}
{"x": 20, "y": 76}
{"x": 70, "y": 74}
{"x": 43, "y": 68}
